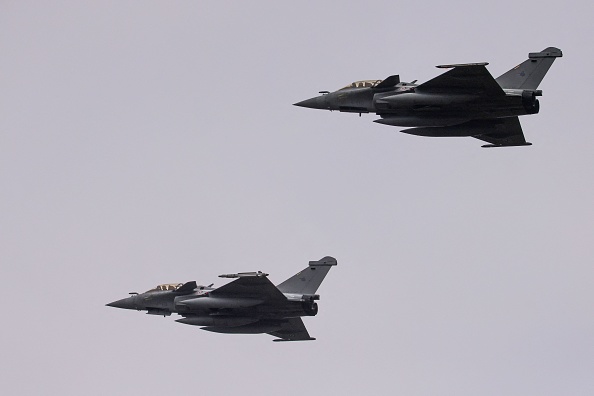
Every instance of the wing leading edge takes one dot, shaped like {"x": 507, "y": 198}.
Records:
{"x": 473, "y": 78}
{"x": 258, "y": 287}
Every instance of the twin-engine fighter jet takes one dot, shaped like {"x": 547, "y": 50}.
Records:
{"x": 251, "y": 304}
{"x": 464, "y": 101}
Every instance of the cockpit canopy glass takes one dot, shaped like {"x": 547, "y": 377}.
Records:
{"x": 363, "y": 84}
{"x": 167, "y": 286}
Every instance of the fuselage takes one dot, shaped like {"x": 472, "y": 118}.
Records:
{"x": 200, "y": 304}
{"x": 250, "y": 304}
{"x": 465, "y": 100}
{"x": 405, "y": 106}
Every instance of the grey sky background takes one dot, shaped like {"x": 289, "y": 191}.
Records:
{"x": 150, "y": 142}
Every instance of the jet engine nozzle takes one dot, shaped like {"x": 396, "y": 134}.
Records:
{"x": 529, "y": 101}
{"x": 310, "y": 309}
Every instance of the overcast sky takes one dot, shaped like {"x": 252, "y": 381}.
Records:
{"x": 149, "y": 142}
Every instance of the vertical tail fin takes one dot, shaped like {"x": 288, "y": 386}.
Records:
{"x": 530, "y": 73}
{"x": 308, "y": 280}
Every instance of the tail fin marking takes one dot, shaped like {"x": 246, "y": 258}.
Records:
{"x": 529, "y": 74}
{"x": 308, "y": 280}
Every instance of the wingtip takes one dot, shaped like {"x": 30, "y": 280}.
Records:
{"x": 506, "y": 145}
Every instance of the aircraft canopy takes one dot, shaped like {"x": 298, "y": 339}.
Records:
{"x": 167, "y": 286}
{"x": 363, "y": 84}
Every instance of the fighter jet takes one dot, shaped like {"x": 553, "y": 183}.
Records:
{"x": 251, "y": 304}
{"x": 464, "y": 101}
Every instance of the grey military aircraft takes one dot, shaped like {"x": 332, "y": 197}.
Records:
{"x": 251, "y": 304}
{"x": 464, "y": 101}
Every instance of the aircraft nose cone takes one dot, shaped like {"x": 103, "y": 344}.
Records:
{"x": 125, "y": 303}
{"x": 319, "y": 102}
